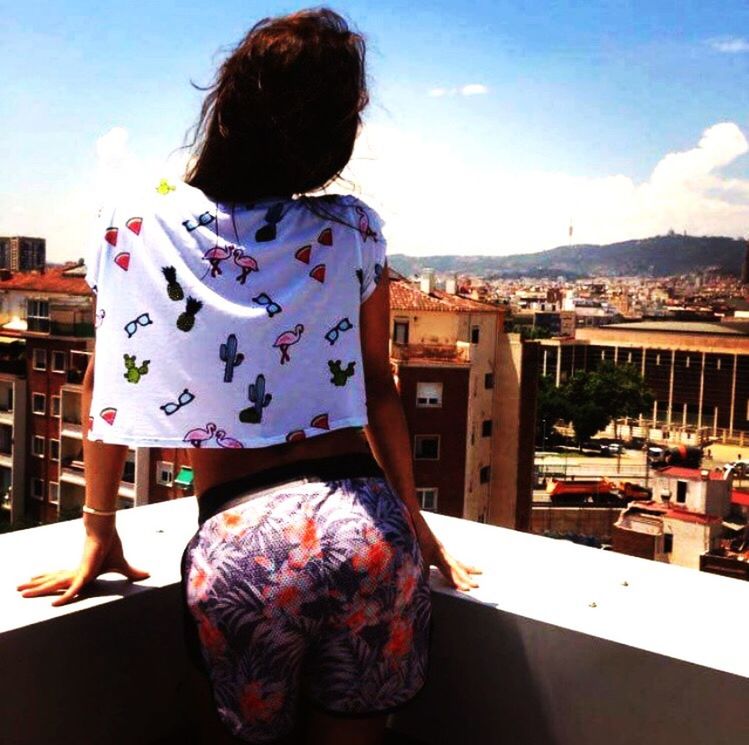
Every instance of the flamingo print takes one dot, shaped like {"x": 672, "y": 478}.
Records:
{"x": 227, "y": 442}
{"x": 246, "y": 263}
{"x": 286, "y": 339}
{"x": 214, "y": 256}
{"x": 364, "y": 229}
{"x": 196, "y": 437}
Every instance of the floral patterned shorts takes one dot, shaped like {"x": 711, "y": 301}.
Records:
{"x": 314, "y": 590}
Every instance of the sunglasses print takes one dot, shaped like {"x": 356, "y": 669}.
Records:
{"x": 205, "y": 219}
{"x": 272, "y": 217}
{"x": 343, "y": 325}
{"x": 183, "y": 399}
{"x": 132, "y": 326}
{"x": 267, "y": 302}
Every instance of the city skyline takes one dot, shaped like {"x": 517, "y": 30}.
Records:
{"x": 623, "y": 122}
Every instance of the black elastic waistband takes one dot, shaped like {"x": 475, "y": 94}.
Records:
{"x": 222, "y": 496}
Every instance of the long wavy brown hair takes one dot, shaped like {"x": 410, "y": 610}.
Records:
{"x": 283, "y": 112}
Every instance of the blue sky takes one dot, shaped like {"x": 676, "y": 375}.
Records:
{"x": 589, "y": 112}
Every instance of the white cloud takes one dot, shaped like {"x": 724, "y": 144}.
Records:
{"x": 437, "y": 202}
{"x": 473, "y": 89}
{"x": 470, "y": 89}
{"x": 730, "y": 45}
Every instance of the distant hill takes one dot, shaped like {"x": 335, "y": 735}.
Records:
{"x": 661, "y": 256}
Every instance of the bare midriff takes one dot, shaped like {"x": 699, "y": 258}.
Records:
{"x": 215, "y": 466}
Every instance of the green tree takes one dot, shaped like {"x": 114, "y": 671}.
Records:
{"x": 597, "y": 397}
{"x": 551, "y": 407}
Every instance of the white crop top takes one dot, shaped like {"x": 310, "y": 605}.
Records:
{"x": 229, "y": 328}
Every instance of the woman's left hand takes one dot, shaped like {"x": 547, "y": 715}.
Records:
{"x": 102, "y": 553}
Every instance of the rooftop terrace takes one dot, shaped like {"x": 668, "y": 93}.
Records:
{"x": 561, "y": 645}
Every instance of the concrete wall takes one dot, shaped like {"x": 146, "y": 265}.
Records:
{"x": 560, "y": 645}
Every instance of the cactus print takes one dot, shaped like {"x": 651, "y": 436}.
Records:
{"x": 229, "y": 355}
{"x": 314, "y": 590}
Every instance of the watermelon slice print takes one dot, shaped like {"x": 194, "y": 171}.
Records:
{"x": 318, "y": 273}
{"x": 326, "y": 237}
{"x": 320, "y": 421}
{"x": 303, "y": 254}
{"x": 111, "y": 236}
{"x": 134, "y": 224}
{"x": 108, "y": 415}
{"x": 296, "y": 435}
{"x": 122, "y": 260}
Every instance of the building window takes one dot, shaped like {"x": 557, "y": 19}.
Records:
{"x": 668, "y": 543}
{"x": 39, "y": 359}
{"x": 37, "y": 488}
{"x": 484, "y": 475}
{"x": 427, "y": 499}
{"x": 58, "y": 362}
{"x": 55, "y": 406}
{"x": 164, "y": 472}
{"x": 400, "y": 332}
{"x": 489, "y": 380}
{"x": 486, "y": 428}
{"x": 37, "y": 315}
{"x": 427, "y": 447}
{"x": 37, "y": 447}
{"x": 474, "y": 334}
{"x": 681, "y": 491}
{"x": 38, "y": 403}
{"x": 54, "y": 449}
{"x": 429, "y": 394}
{"x": 54, "y": 492}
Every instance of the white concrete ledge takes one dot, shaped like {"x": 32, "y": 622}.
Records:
{"x": 553, "y": 647}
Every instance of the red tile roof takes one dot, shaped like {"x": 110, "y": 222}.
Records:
{"x": 405, "y": 295}
{"x": 53, "y": 279}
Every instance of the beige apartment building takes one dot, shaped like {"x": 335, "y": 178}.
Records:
{"x": 469, "y": 387}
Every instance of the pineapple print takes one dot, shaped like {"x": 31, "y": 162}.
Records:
{"x": 173, "y": 288}
{"x": 186, "y": 320}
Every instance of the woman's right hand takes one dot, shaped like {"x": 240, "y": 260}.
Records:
{"x": 102, "y": 553}
{"x": 454, "y": 571}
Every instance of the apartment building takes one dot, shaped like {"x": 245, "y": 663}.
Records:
{"x": 23, "y": 254}
{"x": 46, "y": 341}
{"x": 468, "y": 392}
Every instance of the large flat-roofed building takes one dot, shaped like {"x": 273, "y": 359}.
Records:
{"x": 698, "y": 372}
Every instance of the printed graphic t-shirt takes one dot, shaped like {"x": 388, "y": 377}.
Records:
{"x": 230, "y": 325}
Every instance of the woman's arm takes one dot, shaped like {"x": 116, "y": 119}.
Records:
{"x": 102, "y": 549}
{"x": 387, "y": 431}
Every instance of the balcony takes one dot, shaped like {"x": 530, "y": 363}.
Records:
{"x": 448, "y": 354}
{"x": 561, "y": 645}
